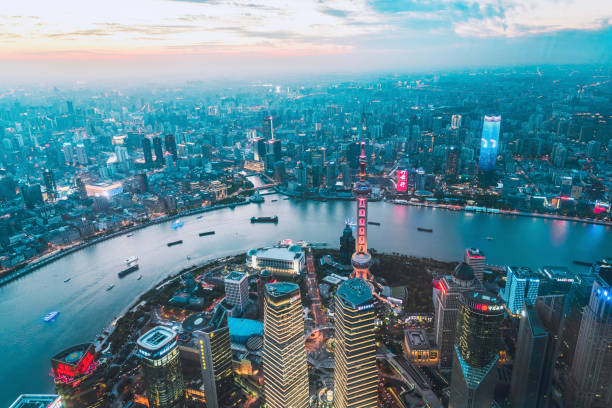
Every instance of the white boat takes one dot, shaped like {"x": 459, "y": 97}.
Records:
{"x": 131, "y": 260}
{"x": 110, "y": 287}
{"x": 139, "y": 277}
{"x": 51, "y": 316}
{"x": 177, "y": 224}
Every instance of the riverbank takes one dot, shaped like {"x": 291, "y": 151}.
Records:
{"x": 11, "y": 275}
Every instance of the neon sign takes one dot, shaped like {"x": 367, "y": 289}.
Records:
{"x": 402, "y": 180}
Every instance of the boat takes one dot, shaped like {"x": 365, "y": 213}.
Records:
{"x": 51, "y": 316}
{"x": 128, "y": 271}
{"x": 273, "y": 200}
{"x": 287, "y": 198}
{"x": 130, "y": 235}
{"x": 67, "y": 280}
{"x": 264, "y": 219}
{"x": 180, "y": 241}
{"x": 373, "y": 223}
{"x": 110, "y": 287}
{"x": 490, "y": 238}
{"x": 177, "y": 224}
{"x": 188, "y": 257}
{"x": 203, "y": 234}
{"x": 131, "y": 259}
{"x": 199, "y": 217}
{"x": 424, "y": 229}
{"x": 583, "y": 263}
{"x": 139, "y": 277}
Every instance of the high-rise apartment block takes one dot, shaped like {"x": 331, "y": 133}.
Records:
{"x": 237, "y": 289}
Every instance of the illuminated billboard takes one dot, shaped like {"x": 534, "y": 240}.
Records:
{"x": 402, "y": 180}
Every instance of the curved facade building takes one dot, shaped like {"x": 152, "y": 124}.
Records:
{"x": 159, "y": 358}
{"x": 284, "y": 358}
{"x": 355, "y": 372}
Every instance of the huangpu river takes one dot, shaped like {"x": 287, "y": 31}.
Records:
{"x": 87, "y": 308}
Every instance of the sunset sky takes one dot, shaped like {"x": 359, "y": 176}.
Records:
{"x": 84, "y": 40}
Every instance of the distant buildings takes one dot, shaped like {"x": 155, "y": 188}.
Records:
{"x": 78, "y": 377}
{"x": 355, "y": 372}
{"x": 284, "y": 357}
{"x": 477, "y": 344}
{"x": 159, "y": 152}
{"x": 148, "y": 154}
{"x": 591, "y": 372}
{"x": 521, "y": 288}
{"x": 237, "y": 289}
{"x": 278, "y": 260}
{"x": 447, "y": 302}
{"x": 268, "y": 128}
{"x": 489, "y": 143}
{"x": 159, "y": 358}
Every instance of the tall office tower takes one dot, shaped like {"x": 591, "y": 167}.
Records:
{"x": 347, "y": 245}
{"x": 451, "y": 161}
{"x": 264, "y": 278}
{"x": 213, "y": 341}
{"x": 148, "y": 154}
{"x": 237, "y": 289}
{"x": 455, "y": 121}
{"x": 68, "y": 153}
{"x": 489, "y": 142}
{"x": 477, "y": 344}
{"x": 159, "y": 152}
{"x": 285, "y": 369}
{"x": 476, "y": 259}
{"x": 361, "y": 258}
{"x": 161, "y": 366}
{"x": 259, "y": 147}
{"x": 591, "y": 372}
{"x": 275, "y": 149}
{"x": 447, "y": 300}
{"x": 355, "y": 372}
{"x": 521, "y": 288}
{"x": 50, "y": 184}
{"x": 170, "y": 142}
{"x": 268, "y": 128}
{"x": 81, "y": 154}
{"x": 78, "y": 377}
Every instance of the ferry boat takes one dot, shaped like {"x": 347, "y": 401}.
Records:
{"x": 128, "y": 271}
{"x": 274, "y": 201}
{"x": 130, "y": 235}
{"x": 51, "y": 316}
{"x": 489, "y": 238}
{"x": 131, "y": 259}
{"x": 264, "y": 219}
{"x": 180, "y": 241}
{"x": 424, "y": 229}
{"x": 177, "y": 224}
{"x": 67, "y": 280}
{"x": 139, "y": 277}
{"x": 199, "y": 217}
{"x": 110, "y": 287}
{"x": 203, "y": 234}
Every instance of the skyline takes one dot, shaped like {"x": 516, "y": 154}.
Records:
{"x": 204, "y": 39}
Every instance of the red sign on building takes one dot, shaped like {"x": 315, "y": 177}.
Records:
{"x": 402, "y": 180}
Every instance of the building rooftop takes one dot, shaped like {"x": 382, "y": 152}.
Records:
{"x": 37, "y": 401}
{"x": 475, "y": 253}
{"x": 464, "y": 272}
{"x": 241, "y": 329}
{"x": 417, "y": 339}
{"x": 522, "y": 272}
{"x": 278, "y": 253}
{"x": 235, "y": 276}
{"x": 355, "y": 292}
{"x": 281, "y": 289}
{"x": 73, "y": 354}
{"x": 537, "y": 328}
{"x": 156, "y": 338}
{"x": 557, "y": 273}
{"x": 195, "y": 321}
{"x": 483, "y": 302}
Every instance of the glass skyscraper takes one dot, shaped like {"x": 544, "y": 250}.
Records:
{"x": 521, "y": 288}
{"x": 355, "y": 372}
{"x": 285, "y": 369}
{"x": 489, "y": 143}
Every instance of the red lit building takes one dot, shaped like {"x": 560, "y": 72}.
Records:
{"x": 78, "y": 377}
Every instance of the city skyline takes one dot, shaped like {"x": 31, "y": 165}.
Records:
{"x": 197, "y": 39}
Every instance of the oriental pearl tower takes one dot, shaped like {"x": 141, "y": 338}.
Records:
{"x": 361, "y": 259}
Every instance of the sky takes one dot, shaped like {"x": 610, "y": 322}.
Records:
{"x": 76, "y": 40}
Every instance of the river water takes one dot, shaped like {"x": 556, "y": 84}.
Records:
{"x": 87, "y": 308}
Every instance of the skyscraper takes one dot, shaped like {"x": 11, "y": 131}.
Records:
{"x": 159, "y": 152}
{"x": 237, "y": 289}
{"x": 476, "y": 259}
{"x": 50, "y": 184}
{"x": 447, "y": 301}
{"x": 171, "y": 145}
{"x": 591, "y": 372}
{"x": 264, "y": 278}
{"x": 347, "y": 245}
{"x": 78, "y": 377}
{"x": 476, "y": 354}
{"x": 521, "y": 288}
{"x": 268, "y": 128}
{"x": 81, "y": 154}
{"x": 489, "y": 142}
{"x": 355, "y": 372}
{"x": 284, "y": 354}
{"x": 161, "y": 366}
{"x": 361, "y": 258}
{"x": 451, "y": 161}
{"x": 68, "y": 153}
{"x": 148, "y": 154}
{"x": 215, "y": 350}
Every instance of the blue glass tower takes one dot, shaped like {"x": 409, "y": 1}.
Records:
{"x": 489, "y": 142}
{"x": 521, "y": 288}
